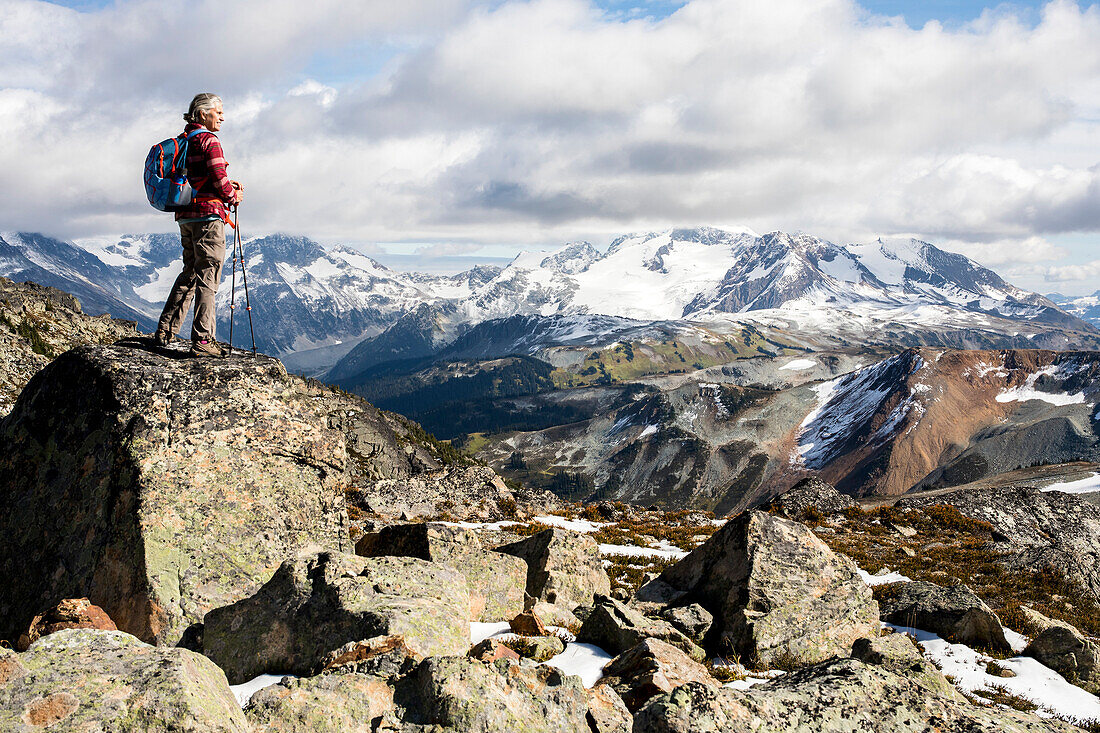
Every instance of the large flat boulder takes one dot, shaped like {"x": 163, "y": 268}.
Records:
{"x": 469, "y": 696}
{"x": 564, "y": 568}
{"x": 184, "y": 483}
{"x": 318, "y": 602}
{"x": 778, "y": 594}
{"x": 495, "y": 581}
{"x": 90, "y": 680}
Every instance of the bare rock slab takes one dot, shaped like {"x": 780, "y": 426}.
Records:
{"x": 563, "y": 568}
{"x": 82, "y": 679}
{"x": 495, "y": 580}
{"x": 320, "y": 601}
{"x": 184, "y": 483}
{"x": 778, "y": 593}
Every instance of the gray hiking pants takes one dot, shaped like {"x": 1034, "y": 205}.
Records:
{"x": 203, "y": 254}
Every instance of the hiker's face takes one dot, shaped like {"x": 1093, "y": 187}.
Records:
{"x": 212, "y": 119}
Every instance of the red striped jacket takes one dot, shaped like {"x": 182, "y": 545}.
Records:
{"x": 206, "y": 172}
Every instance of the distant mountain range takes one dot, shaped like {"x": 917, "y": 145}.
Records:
{"x": 312, "y": 305}
{"x": 1086, "y": 307}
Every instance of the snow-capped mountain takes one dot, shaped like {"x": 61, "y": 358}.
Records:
{"x": 306, "y": 297}
{"x": 1086, "y": 307}
{"x": 693, "y": 274}
{"x": 885, "y": 292}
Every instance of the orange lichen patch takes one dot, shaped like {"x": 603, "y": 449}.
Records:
{"x": 46, "y": 711}
{"x": 10, "y": 669}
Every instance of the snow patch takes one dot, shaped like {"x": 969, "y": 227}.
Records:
{"x": 244, "y": 691}
{"x": 799, "y": 364}
{"x": 882, "y": 577}
{"x": 1082, "y": 486}
{"x": 1027, "y": 391}
{"x": 1033, "y": 681}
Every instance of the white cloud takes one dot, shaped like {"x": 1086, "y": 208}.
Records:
{"x": 550, "y": 120}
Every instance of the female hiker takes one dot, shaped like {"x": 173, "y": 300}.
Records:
{"x": 202, "y": 230}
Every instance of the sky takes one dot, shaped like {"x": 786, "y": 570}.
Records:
{"x": 477, "y": 128}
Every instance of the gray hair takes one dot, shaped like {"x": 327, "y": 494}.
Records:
{"x": 200, "y": 104}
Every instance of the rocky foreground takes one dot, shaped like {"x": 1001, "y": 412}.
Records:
{"x": 202, "y": 510}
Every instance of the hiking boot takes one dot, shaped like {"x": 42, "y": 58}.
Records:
{"x": 206, "y": 348}
{"x": 162, "y": 338}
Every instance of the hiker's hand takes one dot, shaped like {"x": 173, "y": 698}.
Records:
{"x": 239, "y": 189}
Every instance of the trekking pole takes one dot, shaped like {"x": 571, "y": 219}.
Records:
{"x": 233, "y": 289}
{"x": 238, "y": 252}
{"x": 244, "y": 279}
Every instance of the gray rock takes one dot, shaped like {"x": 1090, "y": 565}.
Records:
{"x": 778, "y": 594}
{"x": 538, "y": 648}
{"x": 650, "y": 668}
{"x": 563, "y": 568}
{"x": 184, "y": 482}
{"x": 465, "y": 492}
{"x": 811, "y": 492}
{"x": 319, "y": 602}
{"x": 468, "y": 696}
{"x": 495, "y": 580}
{"x": 607, "y": 713}
{"x": 83, "y": 679}
{"x": 694, "y": 620}
{"x": 1069, "y": 653}
{"x": 616, "y": 627}
{"x": 954, "y": 613}
{"x": 328, "y": 703}
{"x": 841, "y": 695}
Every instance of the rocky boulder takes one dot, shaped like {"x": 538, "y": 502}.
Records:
{"x": 651, "y": 668}
{"x": 495, "y": 580}
{"x": 811, "y": 492}
{"x": 464, "y": 695}
{"x": 614, "y": 626}
{"x": 564, "y": 568}
{"x": 538, "y": 648}
{"x": 320, "y": 601}
{"x": 778, "y": 594}
{"x": 387, "y": 656}
{"x": 1069, "y": 653}
{"x": 328, "y": 703}
{"x": 954, "y": 613}
{"x": 80, "y": 679}
{"x": 836, "y": 695}
{"x": 36, "y": 324}
{"x": 693, "y": 620}
{"x": 71, "y": 613}
{"x": 185, "y": 482}
{"x": 607, "y": 713}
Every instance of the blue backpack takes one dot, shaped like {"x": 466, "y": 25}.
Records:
{"x": 166, "y": 173}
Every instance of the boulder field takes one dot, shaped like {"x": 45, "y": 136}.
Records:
{"x": 201, "y": 506}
